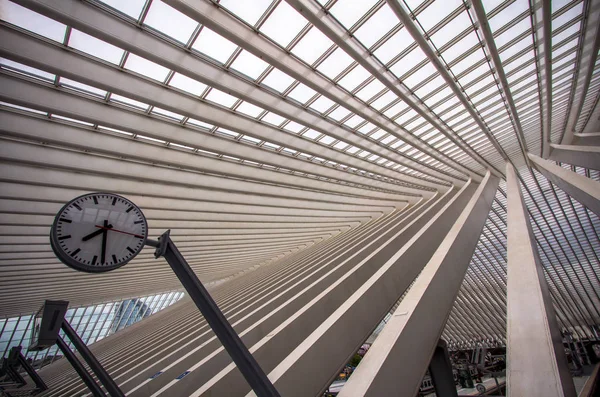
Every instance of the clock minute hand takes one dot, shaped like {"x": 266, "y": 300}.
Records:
{"x": 104, "y": 232}
{"x": 94, "y": 234}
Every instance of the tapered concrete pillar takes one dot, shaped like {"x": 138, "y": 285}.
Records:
{"x": 581, "y": 156}
{"x": 397, "y": 360}
{"x": 536, "y": 362}
{"x": 582, "y": 189}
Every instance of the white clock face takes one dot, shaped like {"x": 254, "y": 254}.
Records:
{"x": 98, "y": 232}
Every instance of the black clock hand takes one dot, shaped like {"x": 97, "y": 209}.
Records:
{"x": 94, "y": 234}
{"x": 104, "y": 235}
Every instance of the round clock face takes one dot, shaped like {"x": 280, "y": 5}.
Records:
{"x": 98, "y": 232}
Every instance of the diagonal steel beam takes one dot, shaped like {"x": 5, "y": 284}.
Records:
{"x": 224, "y": 24}
{"x": 436, "y": 61}
{"x": 542, "y": 27}
{"x": 55, "y": 59}
{"x": 484, "y": 26}
{"x": 588, "y": 52}
{"x": 98, "y": 23}
{"x": 324, "y": 22}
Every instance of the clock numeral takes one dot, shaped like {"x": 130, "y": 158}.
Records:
{"x": 114, "y": 201}
{"x": 138, "y": 222}
{"x": 95, "y": 200}
{"x": 130, "y": 250}
{"x": 65, "y": 220}
{"x": 129, "y": 209}
{"x": 76, "y": 206}
{"x": 94, "y": 259}
{"x": 114, "y": 258}
{"x": 64, "y": 237}
{"x": 75, "y": 252}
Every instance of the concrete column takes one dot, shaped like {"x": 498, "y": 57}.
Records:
{"x": 537, "y": 365}
{"x": 582, "y": 189}
{"x": 581, "y": 156}
{"x": 397, "y": 360}
{"x": 440, "y": 370}
{"x": 589, "y": 139}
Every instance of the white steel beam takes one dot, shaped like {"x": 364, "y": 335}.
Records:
{"x": 588, "y": 52}
{"x": 129, "y": 150}
{"x": 398, "y": 359}
{"x": 480, "y": 16}
{"x": 34, "y": 95}
{"x": 542, "y": 26}
{"x": 587, "y": 139}
{"x": 115, "y": 80}
{"x": 56, "y": 59}
{"x": 92, "y": 20}
{"x": 536, "y": 361}
{"x": 581, "y": 156}
{"x": 582, "y": 189}
{"x": 216, "y": 19}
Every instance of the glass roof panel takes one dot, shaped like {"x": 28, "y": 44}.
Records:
{"x": 356, "y": 77}
{"x": 384, "y": 100}
{"x": 32, "y": 21}
{"x": 133, "y": 8}
{"x": 335, "y": 63}
{"x": 187, "y": 84}
{"x": 311, "y": 134}
{"x": 393, "y": 46}
{"x": 273, "y": 118}
{"x": 376, "y": 26}
{"x": 199, "y": 123}
{"x": 419, "y": 75}
{"x": 302, "y": 93}
{"x": 322, "y": 104}
{"x": 573, "y": 12}
{"x": 368, "y": 91}
{"x": 408, "y": 62}
{"x": 249, "y": 11}
{"x": 434, "y": 13}
{"x": 326, "y": 140}
{"x": 95, "y": 47}
{"x": 128, "y": 101}
{"x": 294, "y": 127}
{"x": 339, "y": 113}
{"x": 146, "y": 68}
{"x": 27, "y": 69}
{"x": 82, "y": 87}
{"x": 312, "y": 46}
{"x": 278, "y": 80}
{"x": 170, "y": 21}
{"x": 283, "y": 24}
{"x": 451, "y": 29}
{"x": 215, "y": 46}
{"x": 222, "y": 98}
{"x": 507, "y": 15}
{"x": 167, "y": 113}
{"x": 250, "y": 65}
{"x": 348, "y": 12}
{"x": 249, "y": 109}
{"x": 460, "y": 47}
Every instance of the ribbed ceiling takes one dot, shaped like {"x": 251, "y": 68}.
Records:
{"x": 254, "y": 130}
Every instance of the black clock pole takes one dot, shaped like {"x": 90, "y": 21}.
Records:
{"x": 95, "y": 366}
{"x": 79, "y": 368}
{"x": 245, "y": 362}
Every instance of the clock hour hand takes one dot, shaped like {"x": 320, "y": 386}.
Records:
{"x": 96, "y": 233}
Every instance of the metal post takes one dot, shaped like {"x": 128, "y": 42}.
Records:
{"x": 76, "y": 364}
{"x": 88, "y": 356}
{"x": 440, "y": 370}
{"x": 239, "y": 353}
{"x": 39, "y": 382}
